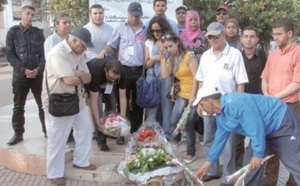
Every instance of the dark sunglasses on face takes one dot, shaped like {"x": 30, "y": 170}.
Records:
{"x": 157, "y": 31}
{"x": 213, "y": 37}
{"x": 178, "y": 13}
{"x": 219, "y": 13}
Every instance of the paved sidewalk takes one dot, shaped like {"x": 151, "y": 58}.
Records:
{"x": 12, "y": 178}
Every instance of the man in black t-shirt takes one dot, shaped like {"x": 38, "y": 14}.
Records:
{"x": 106, "y": 74}
{"x": 255, "y": 61}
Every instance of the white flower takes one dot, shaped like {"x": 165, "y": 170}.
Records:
{"x": 148, "y": 151}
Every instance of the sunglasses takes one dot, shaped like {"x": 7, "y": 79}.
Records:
{"x": 157, "y": 31}
{"x": 166, "y": 36}
{"x": 213, "y": 37}
{"x": 219, "y": 13}
{"x": 178, "y": 13}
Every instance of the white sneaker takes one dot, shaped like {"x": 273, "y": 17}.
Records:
{"x": 188, "y": 161}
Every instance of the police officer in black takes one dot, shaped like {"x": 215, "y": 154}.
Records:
{"x": 24, "y": 44}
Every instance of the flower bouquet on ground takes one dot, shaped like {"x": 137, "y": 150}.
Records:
{"x": 148, "y": 155}
{"x": 239, "y": 176}
{"x": 115, "y": 125}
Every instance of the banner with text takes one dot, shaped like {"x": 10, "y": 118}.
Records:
{"x": 116, "y": 10}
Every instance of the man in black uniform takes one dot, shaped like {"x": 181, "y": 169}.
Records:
{"x": 106, "y": 73}
{"x": 24, "y": 44}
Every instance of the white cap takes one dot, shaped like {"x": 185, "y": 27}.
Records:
{"x": 204, "y": 92}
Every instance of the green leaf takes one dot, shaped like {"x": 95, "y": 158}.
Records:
{"x": 126, "y": 172}
{"x": 144, "y": 168}
{"x": 77, "y": 10}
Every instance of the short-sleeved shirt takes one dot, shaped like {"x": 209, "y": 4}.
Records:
{"x": 283, "y": 68}
{"x": 62, "y": 62}
{"x": 254, "y": 67}
{"x": 252, "y": 115}
{"x": 50, "y": 42}
{"x": 99, "y": 80}
{"x": 225, "y": 71}
{"x": 153, "y": 49}
{"x": 131, "y": 45}
{"x": 100, "y": 35}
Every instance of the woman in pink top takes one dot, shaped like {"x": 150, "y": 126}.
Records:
{"x": 192, "y": 37}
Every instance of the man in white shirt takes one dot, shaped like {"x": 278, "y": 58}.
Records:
{"x": 66, "y": 71}
{"x": 99, "y": 30}
{"x": 221, "y": 66}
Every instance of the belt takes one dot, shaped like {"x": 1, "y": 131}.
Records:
{"x": 133, "y": 68}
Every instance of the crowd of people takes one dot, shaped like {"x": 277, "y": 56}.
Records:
{"x": 247, "y": 100}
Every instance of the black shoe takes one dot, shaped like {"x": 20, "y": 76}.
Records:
{"x": 120, "y": 140}
{"x": 207, "y": 178}
{"x": 103, "y": 147}
{"x": 45, "y": 135}
{"x": 15, "y": 139}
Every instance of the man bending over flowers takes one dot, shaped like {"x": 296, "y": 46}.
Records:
{"x": 267, "y": 121}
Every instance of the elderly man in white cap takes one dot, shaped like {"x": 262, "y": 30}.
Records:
{"x": 66, "y": 72}
{"x": 271, "y": 125}
{"x": 220, "y": 66}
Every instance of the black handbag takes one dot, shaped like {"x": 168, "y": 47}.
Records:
{"x": 63, "y": 104}
{"x": 148, "y": 93}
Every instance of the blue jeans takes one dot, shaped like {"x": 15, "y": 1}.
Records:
{"x": 166, "y": 107}
{"x": 179, "y": 106}
{"x": 210, "y": 128}
{"x": 110, "y": 106}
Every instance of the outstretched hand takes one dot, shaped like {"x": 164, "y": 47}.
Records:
{"x": 255, "y": 162}
{"x": 203, "y": 170}
{"x": 102, "y": 54}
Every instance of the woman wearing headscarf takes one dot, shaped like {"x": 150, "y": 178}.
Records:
{"x": 232, "y": 33}
{"x": 192, "y": 37}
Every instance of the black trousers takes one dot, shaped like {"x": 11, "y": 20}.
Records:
{"x": 21, "y": 87}
{"x": 134, "y": 112}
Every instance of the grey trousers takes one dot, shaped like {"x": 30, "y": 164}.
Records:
{"x": 285, "y": 142}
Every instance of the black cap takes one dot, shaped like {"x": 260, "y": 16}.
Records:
{"x": 135, "y": 9}
{"x": 83, "y": 35}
